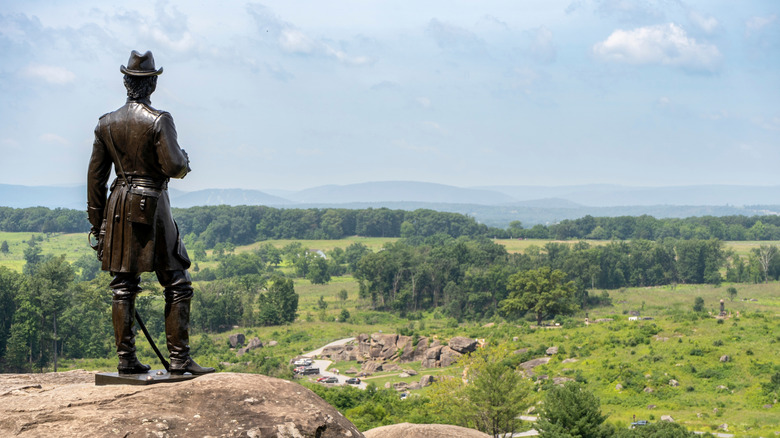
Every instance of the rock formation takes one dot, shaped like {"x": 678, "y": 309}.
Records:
{"x": 378, "y": 349}
{"x": 222, "y": 404}
{"x": 408, "y": 430}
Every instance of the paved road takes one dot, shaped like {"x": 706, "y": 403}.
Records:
{"x": 318, "y": 351}
{"x": 324, "y": 364}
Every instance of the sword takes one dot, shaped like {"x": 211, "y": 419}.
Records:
{"x": 151, "y": 341}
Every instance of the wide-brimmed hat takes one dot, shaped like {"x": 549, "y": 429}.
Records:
{"x": 140, "y": 65}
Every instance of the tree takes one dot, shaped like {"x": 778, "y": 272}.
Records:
{"x": 541, "y": 291}
{"x": 4, "y": 247}
{"x": 662, "y": 429}
{"x": 698, "y": 304}
{"x": 318, "y": 270}
{"x": 321, "y": 303}
{"x": 571, "y": 411}
{"x": 343, "y": 296}
{"x": 490, "y": 398}
{"x": 765, "y": 254}
{"x": 279, "y": 304}
{"x": 732, "y": 291}
{"x": 344, "y": 315}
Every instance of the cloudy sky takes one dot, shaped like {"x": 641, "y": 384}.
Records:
{"x": 295, "y": 94}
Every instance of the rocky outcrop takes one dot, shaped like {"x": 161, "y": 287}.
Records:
{"x": 463, "y": 344}
{"x": 408, "y": 430}
{"x": 222, "y": 404}
{"x": 448, "y": 356}
{"x": 383, "y": 348}
{"x": 254, "y": 344}
{"x": 236, "y": 340}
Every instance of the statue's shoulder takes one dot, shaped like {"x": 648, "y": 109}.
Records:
{"x": 154, "y": 111}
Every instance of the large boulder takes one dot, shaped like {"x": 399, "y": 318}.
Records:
{"x": 405, "y": 344}
{"x": 448, "y": 356}
{"x": 383, "y": 346}
{"x": 420, "y": 349}
{"x": 221, "y": 404}
{"x": 408, "y": 430}
{"x": 372, "y": 366}
{"x": 462, "y": 344}
{"x": 236, "y": 340}
{"x": 254, "y": 344}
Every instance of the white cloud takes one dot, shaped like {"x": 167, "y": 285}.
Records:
{"x": 49, "y": 73}
{"x": 434, "y": 127}
{"x": 666, "y": 44}
{"x": 449, "y": 36}
{"x": 542, "y": 47}
{"x": 291, "y": 39}
{"x": 771, "y": 124}
{"x": 755, "y": 24}
{"x": 183, "y": 44}
{"x": 423, "y": 102}
{"x": 295, "y": 41}
{"x": 54, "y": 138}
{"x": 9, "y": 143}
{"x": 707, "y": 24}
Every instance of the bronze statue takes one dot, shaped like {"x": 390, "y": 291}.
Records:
{"x": 136, "y": 230}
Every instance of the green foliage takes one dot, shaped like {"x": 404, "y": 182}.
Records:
{"x": 322, "y": 304}
{"x": 491, "y": 401}
{"x": 4, "y": 247}
{"x": 279, "y": 304}
{"x": 698, "y": 304}
{"x": 732, "y": 291}
{"x": 571, "y": 411}
{"x": 662, "y": 429}
{"x": 541, "y": 291}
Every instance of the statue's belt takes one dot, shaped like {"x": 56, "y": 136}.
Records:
{"x": 142, "y": 181}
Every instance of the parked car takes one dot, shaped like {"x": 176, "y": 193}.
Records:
{"x": 353, "y": 381}
{"x": 330, "y": 379}
{"x": 323, "y": 378}
{"x": 310, "y": 370}
{"x": 639, "y": 423}
{"x": 303, "y": 362}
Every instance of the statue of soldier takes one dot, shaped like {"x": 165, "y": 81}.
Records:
{"x": 135, "y": 229}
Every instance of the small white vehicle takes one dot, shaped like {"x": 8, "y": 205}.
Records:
{"x": 303, "y": 362}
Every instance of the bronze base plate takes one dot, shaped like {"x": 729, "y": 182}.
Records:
{"x": 149, "y": 378}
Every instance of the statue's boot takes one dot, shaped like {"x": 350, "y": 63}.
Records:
{"x": 177, "y": 324}
{"x": 123, "y": 316}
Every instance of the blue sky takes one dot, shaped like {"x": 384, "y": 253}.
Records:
{"x": 295, "y": 94}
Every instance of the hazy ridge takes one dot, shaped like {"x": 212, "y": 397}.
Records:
{"x": 493, "y": 205}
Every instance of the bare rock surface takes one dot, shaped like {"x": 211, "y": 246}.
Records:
{"x": 462, "y": 344}
{"x": 408, "y": 430}
{"x": 222, "y": 404}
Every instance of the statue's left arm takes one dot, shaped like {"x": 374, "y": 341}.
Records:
{"x": 173, "y": 161}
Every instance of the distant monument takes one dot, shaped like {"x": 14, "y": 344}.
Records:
{"x": 134, "y": 229}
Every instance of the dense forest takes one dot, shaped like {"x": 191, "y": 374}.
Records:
{"x": 242, "y": 225}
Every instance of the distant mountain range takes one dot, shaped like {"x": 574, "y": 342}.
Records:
{"x": 492, "y": 205}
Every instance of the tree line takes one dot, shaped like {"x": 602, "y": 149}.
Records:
{"x": 473, "y": 278}
{"x": 242, "y": 225}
